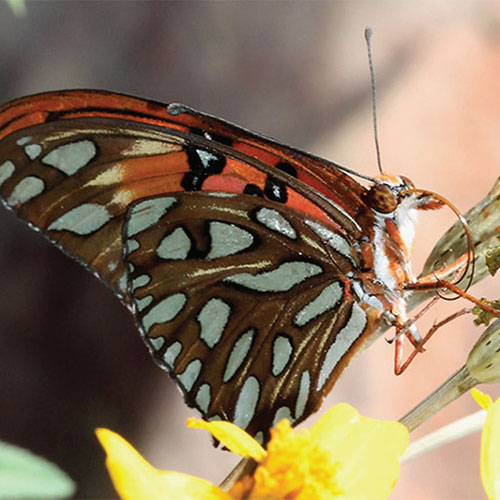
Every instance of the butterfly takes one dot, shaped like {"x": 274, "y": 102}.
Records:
{"x": 254, "y": 271}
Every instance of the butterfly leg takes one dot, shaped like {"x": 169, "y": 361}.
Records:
{"x": 400, "y": 368}
{"x": 407, "y": 326}
{"x": 435, "y": 281}
{"x": 409, "y": 329}
{"x": 404, "y": 327}
{"x": 398, "y": 356}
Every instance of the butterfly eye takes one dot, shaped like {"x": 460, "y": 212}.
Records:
{"x": 381, "y": 198}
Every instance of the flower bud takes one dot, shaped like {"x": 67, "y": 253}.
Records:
{"x": 483, "y": 220}
{"x": 484, "y": 359}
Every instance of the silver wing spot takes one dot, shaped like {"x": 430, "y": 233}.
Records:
{"x": 238, "y": 354}
{"x": 84, "y": 219}
{"x": 69, "y": 158}
{"x": 274, "y": 221}
{"x": 227, "y": 239}
{"x": 281, "y": 279}
{"x": 247, "y": 402}
{"x": 342, "y": 343}
{"x": 26, "y": 189}
{"x": 164, "y": 311}
{"x": 147, "y": 213}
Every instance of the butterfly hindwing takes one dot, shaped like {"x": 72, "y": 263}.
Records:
{"x": 250, "y": 284}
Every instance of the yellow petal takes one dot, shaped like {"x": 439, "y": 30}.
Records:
{"x": 490, "y": 445}
{"x": 366, "y": 450}
{"x": 482, "y": 399}
{"x": 232, "y": 437}
{"x": 136, "y": 479}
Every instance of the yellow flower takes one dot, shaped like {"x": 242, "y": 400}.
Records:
{"x": 342, "y": 456}
{"x": 490, "y": 444}
{"x": 136, "y": 479}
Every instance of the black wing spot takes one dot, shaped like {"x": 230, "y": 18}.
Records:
{"x": 222, "y": 139}
{"x": 253, "y": 190}
{"x": 197, "y": 131}
{"x": 275, "y": 190}
{"x": 287, "y": 168}
{"x": 202, "y": 164}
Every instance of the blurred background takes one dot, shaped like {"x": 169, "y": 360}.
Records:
{"x": 71, "y": 359}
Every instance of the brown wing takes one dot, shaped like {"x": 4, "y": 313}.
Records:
{"x": 245, "y": 302}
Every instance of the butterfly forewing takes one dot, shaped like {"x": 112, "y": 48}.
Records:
{"x": 77, "y": 184}
{"x": 69, "y": 183}
{"x": 241, "y": 300}
{"x": 283, "y": 166}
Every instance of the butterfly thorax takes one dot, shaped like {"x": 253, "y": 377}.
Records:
{"x": 388, "y": 221}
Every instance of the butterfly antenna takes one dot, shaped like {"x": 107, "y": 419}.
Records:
{"x": 368, "y": 34}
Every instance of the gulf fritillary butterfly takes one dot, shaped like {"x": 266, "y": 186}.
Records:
{"x": 254, "y": 271}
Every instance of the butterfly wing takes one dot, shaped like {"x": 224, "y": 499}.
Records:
{"x": 226, "y": 245}
{"x": 72, "y": 162}
{"x": 52, "y": 107}
{"x": 244, "y": 301}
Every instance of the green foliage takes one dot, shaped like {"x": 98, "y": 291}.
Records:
{"x": 18, "y": 7}
{"x": 27, "y": 476}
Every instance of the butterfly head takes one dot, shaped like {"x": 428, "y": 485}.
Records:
{"x": 389, "y": 192}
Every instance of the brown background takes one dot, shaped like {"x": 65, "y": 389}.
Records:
{"x": 70, "y": 357}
